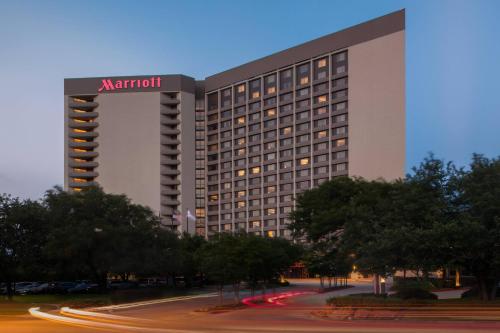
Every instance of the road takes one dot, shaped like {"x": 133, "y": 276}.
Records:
{"x": 289, "y": 313}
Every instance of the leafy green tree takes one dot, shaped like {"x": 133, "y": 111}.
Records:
{"x": 221, "y": 260}
{"x": 95, "y": 233}
{"x": 474, "y": 236}
{"x": 22, "y": 237}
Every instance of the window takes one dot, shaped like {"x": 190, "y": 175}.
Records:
{"x": 303, "y": 161}
{"x": 271, "y": 112}
{"x": 270, "y": 123}
{"x": 285, "y": 142}
{"x": 286, "y": 153}
{"x": 286, "y": 108}
{"x": 254, "y": 159}
{"x": 240, "y": 162}
{"x": 321, "y": 170}
{"x": 321, "y": 134}
{"x": 303, "y": 173}
{"x": 240, "y": 173}
{"x": 303, "y": 138}
{"x": 321, "y": 63}
{"x": 241, "y": 88}
{"x": 322, "y": 99}
{"x": 340, "y": 155}
{"x": 240, "y": 183}
{"x": 286, "y": 79}
{"x": 270, "y": 179}
{"x": 339, "y": 142}
{"x": 303, "y": 92}
{"x": 321, "y": 110}
{"x": 254, "y": 127}
{"x": 286, "y": 176}
{"x": 340, "y": 118}
{"x": 302, "y": 115}
{"x": 256, "y": 94}
{"x": 254, "y": 213}
{"x": 255, "y": 224}
{"x": 240, "y": 141}
{"x": 239, "y": 131}
{"x": 320, "y": 146}
{"x": 240, "y": 204}
{"x": 270, "y": 211}
{"x": 269, "y": 167}
{"x": 240, "y": 152}
{"x": 302, "y": 150}
{"x": 339, "y": 130}
{"x": 286, "y": 187}
{"x": 270, "y": 189}
{"x": 253, "y": 203}
{"x": 270, "y": 200}
{"x": 254, "y": 138}
{"x": 303, "y": 185}
{"x": 255, "y": 170}
{"x": 254, "y": 149}
{"x": 286, "y": 164}
{"x": 270, "y": 145}
{"x": 270, "y": 135}
{"x": 321, "y": 122}
{"x": 254, "y": 191}
{"x": 286, "y": 130}
{"x": 340, "y": 167}
{"x": 240, "y": 120}
{"x": 303, "y": 127}
{"x": 270, "y": 156}
{"x": 321, "y": 158}
{"x": 254, "y": 116}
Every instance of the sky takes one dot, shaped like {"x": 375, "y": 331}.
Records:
{"x": 452, "y": 65}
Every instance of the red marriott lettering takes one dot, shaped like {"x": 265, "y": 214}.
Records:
{"x": 110, "y": 85}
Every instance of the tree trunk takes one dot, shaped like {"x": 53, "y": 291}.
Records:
{"x": 236, "y": 291}
{"x": 483, "y": 287}
{"x": 10, "y": 292}
{"x": 220, "y": 294}
{"x": 493, "y": 291}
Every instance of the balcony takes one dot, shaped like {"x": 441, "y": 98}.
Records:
{"x": 82, "y": 115}
{"x": 167, "y": 100}
{"x": 91, "y": 144}
{"x": 82, "y": 105}
{"x": 83, "y": 124}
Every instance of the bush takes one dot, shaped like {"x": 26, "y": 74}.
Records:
{"x": 414, "y": 293}
{"x": 403, "y": 284}
{"x": 474, "y": 293}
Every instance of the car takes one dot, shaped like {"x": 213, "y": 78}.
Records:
{"x": 61, "y": 287}
{"x": 83, "y": 287}
{"x": 22, "y": 288}
{"x": 121, "y": 285}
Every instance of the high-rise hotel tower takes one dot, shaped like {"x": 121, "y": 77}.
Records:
{"x": 236, "y": 148}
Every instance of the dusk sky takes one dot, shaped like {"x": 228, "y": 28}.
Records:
{"x": 452, "y": 65}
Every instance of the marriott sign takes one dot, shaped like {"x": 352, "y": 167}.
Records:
{"x": 110, "y": 85}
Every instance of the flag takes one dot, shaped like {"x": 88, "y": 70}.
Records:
{"x": 190, "y": 216}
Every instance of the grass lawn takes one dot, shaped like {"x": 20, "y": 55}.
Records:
{"x": 21, "y": 304}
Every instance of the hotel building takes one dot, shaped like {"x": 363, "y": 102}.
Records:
{"x": 236, "y": 148}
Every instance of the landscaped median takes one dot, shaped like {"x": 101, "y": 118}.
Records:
{"x": 369, "y": 307}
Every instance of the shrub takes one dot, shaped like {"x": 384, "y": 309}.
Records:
{"x": 414, "y": 293}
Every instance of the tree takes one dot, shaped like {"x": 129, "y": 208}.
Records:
{"x": 22, "y": 237}
{"x": 221, "y": 260}
{"x": 94, "y": 233}
{"x": 474, "y": 235}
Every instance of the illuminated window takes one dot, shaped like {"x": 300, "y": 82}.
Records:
{"x": 77, "y": 189}
{"x": 255, "y": 170}
{"x": 304, "y": 161}
{"x": 256, "y": 94}
{"x": 241, "y": 151}
{"x": 339, "y": 142}
{"x": 321, "y": 134}
{"x": 82, "y": 121}
{"x": 322, "y": 63}
{"x": 271, "y": 233}
{"x": 322, "y": 99}
{"x": 241, "y": 88}
{"x": 321, "y": 110}
{"x": 240, "y": 173}
{"x": 79, "y": 140}
{"x": 241, "y": 194}
{"x": 79, "y": 100}
{"x": 270, "y": 189}
{"x": 79, "y": 170}
{"x": 79, "y": 111}
{"x": 240, "y": 204}
{"x": 271, "y": 211}
{"x": 241, "y": 141}
{"x": 200, "y": 212}
{"x": 79, "y": 160}
{"x": 304, "y": 80}
{"x": 79, "y": 131}
{"x": 240, "y": 120}
{"x": 79, "y": 180}
{"x": 255, "y": 224}
{"x": 213, "y": 197}
{"x": 271, "y": 90}
{"x": 286, "y": 130}
{"x": 79, "y": 150}
{"x": 271, "y": 112}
